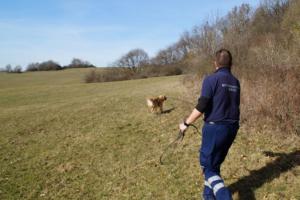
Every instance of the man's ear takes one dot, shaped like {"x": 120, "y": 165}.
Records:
{"x": 215, "y": 64}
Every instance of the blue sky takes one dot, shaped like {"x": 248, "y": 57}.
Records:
{"x": 99, "y": 31}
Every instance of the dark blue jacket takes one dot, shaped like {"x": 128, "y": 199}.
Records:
{"x": 223, "y": 91}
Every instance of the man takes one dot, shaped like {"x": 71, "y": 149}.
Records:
{"x": 219, "y": 101}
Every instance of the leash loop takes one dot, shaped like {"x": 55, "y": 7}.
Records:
{"x": 180, "y": 137}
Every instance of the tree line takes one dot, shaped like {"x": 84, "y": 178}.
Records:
{"x": 48, "y": 66}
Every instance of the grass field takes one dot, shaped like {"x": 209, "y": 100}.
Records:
{"x": 61, "y": 138}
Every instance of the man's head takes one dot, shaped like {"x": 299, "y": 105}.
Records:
{"x": 223, "y": 58}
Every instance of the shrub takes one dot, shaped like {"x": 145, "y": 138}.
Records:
{"x": 269, "y": 99}
{"x": 126, "y": 73}
{"x": 159, "y": 70}
{"x": 111, "y": 74}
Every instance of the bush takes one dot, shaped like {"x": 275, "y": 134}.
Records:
{"x": 270, "y": 99}
{"x": 159, "y": 70}
{"x": 126, "y": 73}
{"x": 112, "y": 74}
{"x": 170, "y": 71}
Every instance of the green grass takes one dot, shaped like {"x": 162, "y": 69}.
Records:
{"x": 63, "y": 139}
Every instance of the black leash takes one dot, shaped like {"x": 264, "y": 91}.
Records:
{"x": 192, "y": 125}
{"x": 179, "y": 138}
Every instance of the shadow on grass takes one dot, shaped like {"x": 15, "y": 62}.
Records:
{"x": 168, "y": 111}
{"x": 248, "y": 184}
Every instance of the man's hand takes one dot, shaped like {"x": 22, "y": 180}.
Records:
{"x": 182, "y": 127}
{"x": 192, "y": 118}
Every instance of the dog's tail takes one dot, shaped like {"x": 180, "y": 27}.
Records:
{"x": 149, "y": 103}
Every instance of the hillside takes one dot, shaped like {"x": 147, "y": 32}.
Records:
{"x": 61, "y": 138}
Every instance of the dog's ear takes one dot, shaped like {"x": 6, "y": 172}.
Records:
{"x": 161, "y": 97}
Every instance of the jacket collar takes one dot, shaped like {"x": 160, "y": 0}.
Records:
{"x": 223, "y": 69}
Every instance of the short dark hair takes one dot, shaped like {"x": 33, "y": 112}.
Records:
{"x": 224, "y": 58}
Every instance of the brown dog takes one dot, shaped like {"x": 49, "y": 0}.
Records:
{"x": 155, "y": 103}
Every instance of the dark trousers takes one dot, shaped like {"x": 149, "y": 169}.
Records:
{"x": 216, "y": 141}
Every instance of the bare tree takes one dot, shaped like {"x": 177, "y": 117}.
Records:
{"x": 209, "y": 39}
{"x": 202, "y": 39}
{"x": 166, "y": 56}
{"x": 133, "y": 59}
{"x": 17, "y": 69}
{"x": 8, "y": 68}
{"x": 236, "y": 31}
{"x": 184, "y": 45}
{"x": 32, "y": 67}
